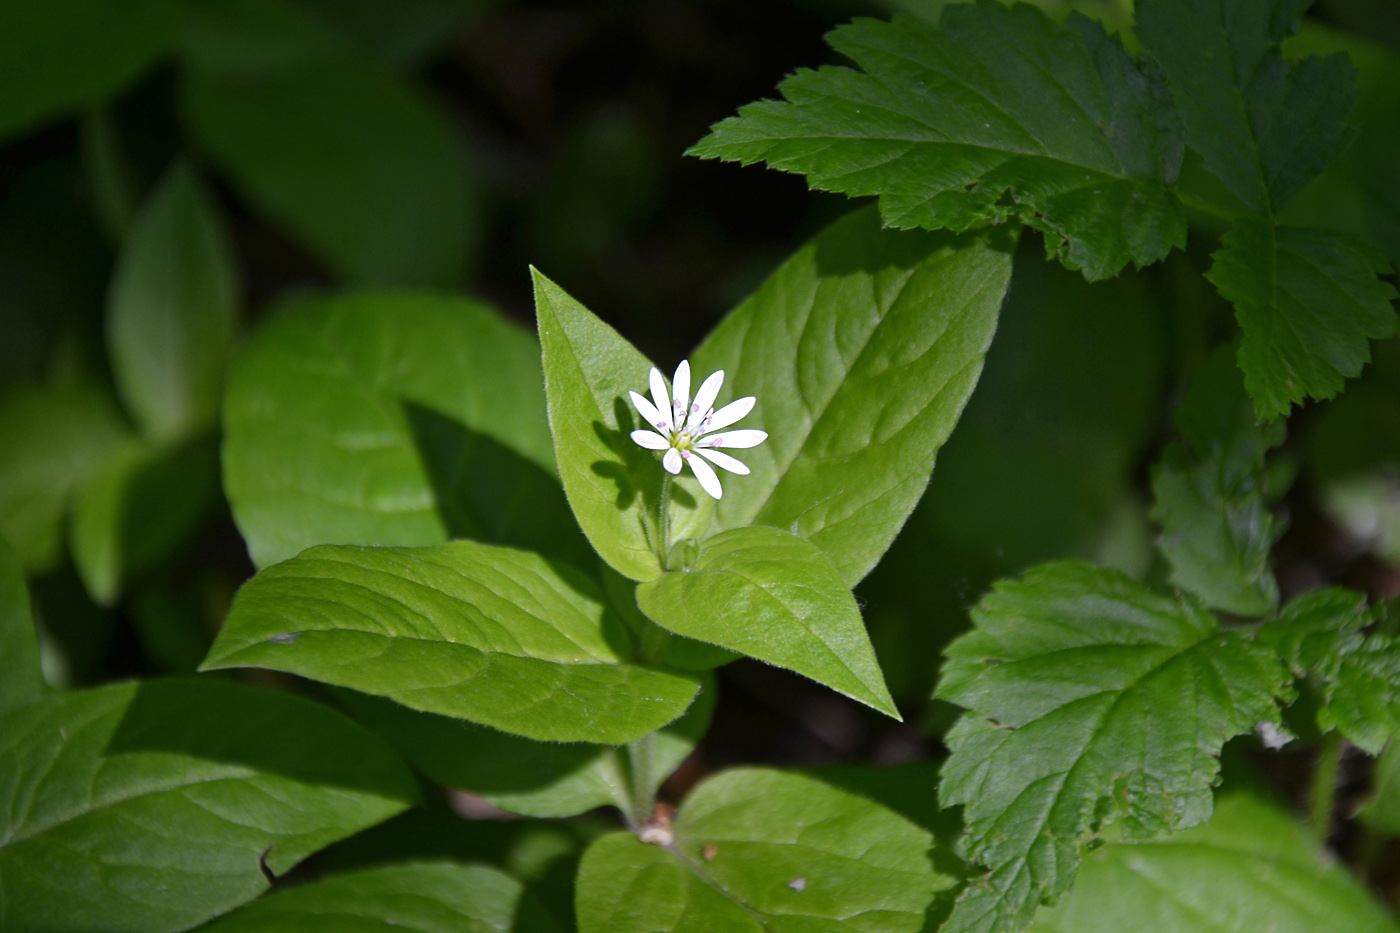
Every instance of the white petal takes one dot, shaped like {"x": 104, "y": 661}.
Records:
{"x": 706, "y": 396}
{"x": 659, "y": 396}
{"x": 649, "y": 413}
{"x": 650, "y": 440}
{"x": 739, "y": 439}
{"x": 680, "y": 391}
{"x": 672, "y": 461}
{"x": 723, "y": 461}
{"x": 708, "y": 480}
{"x": 731, "y": 413}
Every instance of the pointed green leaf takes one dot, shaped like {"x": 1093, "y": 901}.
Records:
{"x": 1252, "y": 867}
{"x": 362, "y": 168}
{"x": 543, "y": 779}
{"x": 776, "y": 597}
{"x": 1322, "y": 636}
{"x": 762, "y": 850}
{"x": 862, "y": 351}
{"x": 419, "y": 897}
{"x": 170, "y": 313}
{"x": 20, "y": 677}
{"x": 1213, "y": 499}
{"x": 492, "y": 635}
{"x": 995, "y": 113}
{"x": 429, "y": 423}
{"x": 55, "y": 438}
{"x": 150, "y": 807}
{"x": 614, "y": 486}
{"x": 1089, "y": 700}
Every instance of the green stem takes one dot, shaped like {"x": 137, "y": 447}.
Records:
{"x": 114, "y": 188}
{"x": 1324, "y": 783}
{"x": 641, "y": 764}
{"x": 665, "y": 519}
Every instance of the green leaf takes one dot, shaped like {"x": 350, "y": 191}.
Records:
{"x": 1089, "y": 700}
{"x": 862, "y": 351}
{"x": 1382, "y": 811}
{"x": 361, "y": 168}
{"x": 614, "y": 486}
{"x": 427, "y": 422}
{"x": 492, "y": 635}
{"x": 138, "y": 508}
{"x": 1213, "y": 499}
{"x": 1262, "y": 127}
{"x": 56, "y": 437}
{"x": 170, "y": 313}
{"x": 761, "y": 850}
{"x": 543, "y": 779}
{"x": 993, "y": 114}
{"x": 56, "y": 57}
{"x": 21, "y": 679}
{"x": 251, "y": 37}
{"x": 1250, "y": 868}
{"x": 420, "y": 897}
{"x": 405, "y": 33}
{"x": 653, "y": 641}
{"x": 775, "y": 597}
{"x": 1306, "y": 302}
{"x": 1322, "y": 636}
{"x": 150, "y": 807}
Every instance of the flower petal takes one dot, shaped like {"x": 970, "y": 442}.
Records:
{"x": 649, "y": 413}
{"x": 723, "y": 461}
{"x": 731, "y": 413}
{"x": 739, "y": 439}
{"x": 680, "y": 392}
{"x": 659, "y": 396}
{"x": 708, "y": 480}
{"x": 650, "y": 440}
{"x": 672, "y": 461}
{"x": 705, "y": 398}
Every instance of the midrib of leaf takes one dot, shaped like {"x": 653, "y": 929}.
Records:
{"x": 696, "y": 869}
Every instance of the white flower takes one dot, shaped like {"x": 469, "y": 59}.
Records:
{"x": 685, "y": 428}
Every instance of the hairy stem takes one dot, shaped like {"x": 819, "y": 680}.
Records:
{"x": 1324, "y": 783}
{"x": 665, "y": 510}
{"x": 641, "y": 762}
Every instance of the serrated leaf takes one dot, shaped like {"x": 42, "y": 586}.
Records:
{"x": 56, "y": 437}
{"x": 429, "y": 423}
{"x": 1306, "y": 301}
{"x": 150, "y": 807}
{"x": 614, "y": 486}
{"x": 492, "y": 635}
{"x": 1089, "y": 699}
{"x": 995, "y": 113}
{"x": 170, "y": 312}
{"x": 21, "y": 679}
{"x": 776, "y": 597}
{"x": 1212, "y": 496}
{"x": 1252, "y": 867}
{"x": 362, "y": 168}
{"x": 862, "y": 351}
{"x": 541, "y": 779}
{"x": 418, "y": 897}
{"x": 765, "y": 850}
{"x": 1321, "y": 635}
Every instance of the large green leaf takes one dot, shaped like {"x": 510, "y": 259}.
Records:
{"x": 55, "y": 438}
{"x": 419, "y": 897}
{"x": 150, "y": 807}
{"x": 543, "y": 779}
{"x": 1089, "y": 700}
{"x": 772, "y": 596}
{"x": 614, "y": 486}
{"x": 764, "y": 850}
{"x": 994, "y": 113}
{"x": 55, "y": 57}
{"x": 492, "y": 635}
{"x": 20, "y": 677}
{"x": 170, "y": 312}
{"x": 1322, "y": 636}
{"x": 363, "y": 169}
{"x": 1213, "y": 495}
{"x": 862, "y": 351}
{"x": 391, "y": 419}
{"x": 1250, "y": 868}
